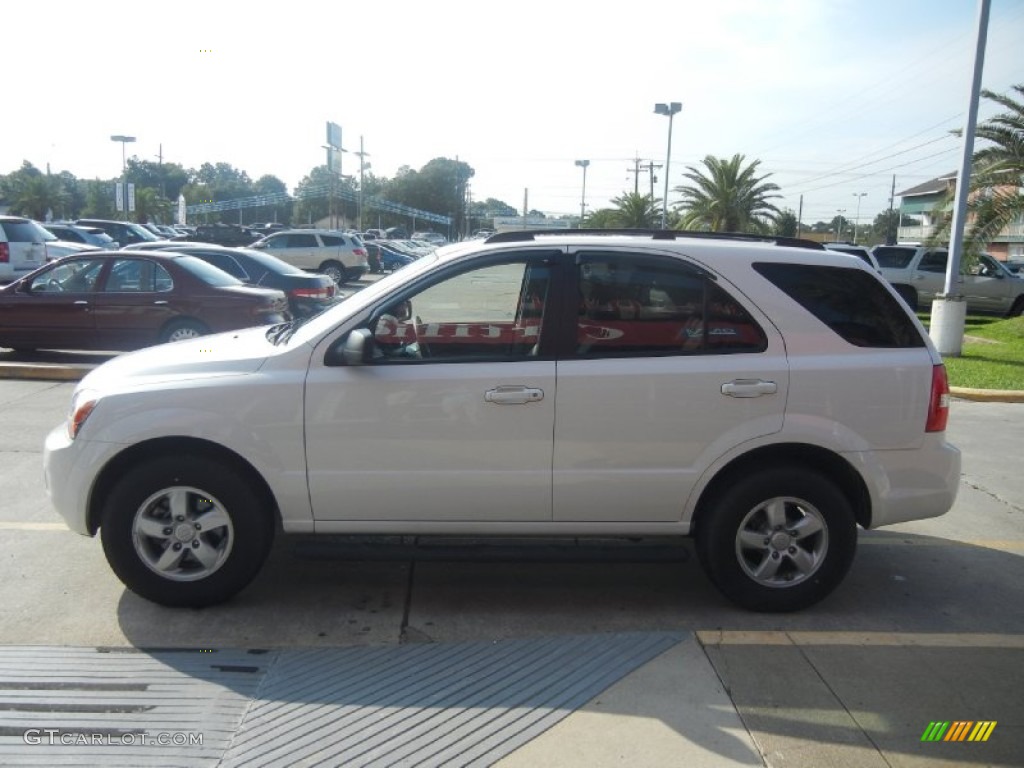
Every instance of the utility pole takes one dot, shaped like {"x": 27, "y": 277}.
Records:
{"x": 799, "y": 217}
{"x": 894, "y": 224}
{"x": 635, "y": 170}
{"x": 650, "y": 169}
{"x": 362, "y": 167}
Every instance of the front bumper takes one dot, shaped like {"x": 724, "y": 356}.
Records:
{"x": 70, "y": 468}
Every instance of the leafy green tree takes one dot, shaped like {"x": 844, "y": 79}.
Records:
{"x": 728, "y": 196}
{"x": 997, "y": 176}
{"x": 270, "y": 185}
{"x": 636, "y": 211}
{"x": 99, "y": 199}
{"x": 167, "y": 178}
{"x": 786, "y": 224}
{"x": 438, "y": 187}
{"x": 314, "y": 197}
{"x": 151, "y": 206}
{"x": 603, "y": 218}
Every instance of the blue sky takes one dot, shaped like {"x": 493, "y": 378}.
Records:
{"x": 833, "y": 97}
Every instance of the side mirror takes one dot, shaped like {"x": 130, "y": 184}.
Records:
{"x": 355, "y": 350}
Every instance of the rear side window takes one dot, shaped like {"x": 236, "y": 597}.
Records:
{"x": 853, "y": 303}
{"x": 893, "y": 257}
{"x": 332, "y": 241}
{"x": 933, "y": 261}
{"x": 632, "y": 307}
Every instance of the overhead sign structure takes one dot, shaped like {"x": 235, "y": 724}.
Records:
{"x": 333, "y": 135}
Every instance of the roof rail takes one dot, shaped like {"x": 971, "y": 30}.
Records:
{"x": 526, "y": 235}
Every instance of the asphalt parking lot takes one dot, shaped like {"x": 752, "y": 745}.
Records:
{"x": 567, "y": 653}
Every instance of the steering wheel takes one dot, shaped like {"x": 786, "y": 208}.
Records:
{"x": 54, "y": 285}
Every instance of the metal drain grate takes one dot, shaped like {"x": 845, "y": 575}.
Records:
{"x": 429, "y": 705}
{"x": 111, "y": 707}
{"x": 441, "y": 704}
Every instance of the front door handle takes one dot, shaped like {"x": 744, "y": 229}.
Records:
{"x": 513, "y": 395}
{"x": 749, "y": 388}
{"x": 160, "y": 302}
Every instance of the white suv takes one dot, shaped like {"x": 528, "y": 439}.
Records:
{"x": 762, "y": 397}
{"x": 22, "y": 247}
{"x": 339, "y": 255}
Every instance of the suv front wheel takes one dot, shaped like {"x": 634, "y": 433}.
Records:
{"x": 778, "y": 540}
{"x": 185, "y": 530}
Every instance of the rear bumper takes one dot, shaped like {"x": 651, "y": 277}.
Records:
{"x": 911, "y": 485}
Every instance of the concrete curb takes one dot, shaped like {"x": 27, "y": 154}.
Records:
{"x": 42, "y": 372}
{"x": 988, "y": 395}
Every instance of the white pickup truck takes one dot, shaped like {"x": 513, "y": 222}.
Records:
{"x": 918, "y": 273}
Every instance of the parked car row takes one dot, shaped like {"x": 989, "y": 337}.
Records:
{"x": 918, "y": 273}
{"x": 124, "y": 300}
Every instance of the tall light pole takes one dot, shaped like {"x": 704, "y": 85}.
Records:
{"x": 670, "y": 109}
{"x": 839, "y": 234}
{"x": 856, "y": 219}
{"x": 583, "y": 200}
{"x": 124, "y": 170}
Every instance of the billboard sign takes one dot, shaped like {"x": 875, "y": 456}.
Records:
{"x": 334, "y": 135}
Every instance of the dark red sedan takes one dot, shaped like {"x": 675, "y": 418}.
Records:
{"x": 122, "y": 300}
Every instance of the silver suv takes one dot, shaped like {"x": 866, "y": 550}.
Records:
{"x": 764, "y": 397}
{"x": 918, "y": 273}
{"x": 339, "y": 255}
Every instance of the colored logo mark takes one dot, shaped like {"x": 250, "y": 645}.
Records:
{"x": 959, "y": 730}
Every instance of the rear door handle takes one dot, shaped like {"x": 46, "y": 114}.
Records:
{"x": 513, "y": 395}
{"x": 160, "y": 302}
{"x": 749, "y": 388}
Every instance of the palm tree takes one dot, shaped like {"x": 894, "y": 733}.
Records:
{"x": 728, "y": 197}
{"x": 997, "y": 176}
{"x": 636, "y": 211}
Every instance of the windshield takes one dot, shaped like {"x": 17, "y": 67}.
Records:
{"x": 331, "y": 318}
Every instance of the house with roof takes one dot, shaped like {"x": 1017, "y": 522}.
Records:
{"x": 922, "y": 204}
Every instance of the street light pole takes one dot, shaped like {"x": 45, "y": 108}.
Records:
{"x": 583, "y": 200}
{"x": 670, "y": 109}
{"x": 124, "y": 170}
{"x": 856, "y": 218}
{"x": 839, "y": 234}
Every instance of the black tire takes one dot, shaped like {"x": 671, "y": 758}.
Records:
{"x": 736, "y": 538}
{"x": 334, "y": 270}
{"x": 178, "y": 330}
{"x": 1017, "y": 309}
{"x": 909, "y": 295}
{"x": 139, "y": 532}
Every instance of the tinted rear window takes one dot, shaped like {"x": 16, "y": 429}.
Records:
{"x": 853, "y": 303}
{"x": 893, "y": 257}
{"x": 25, "y": 232}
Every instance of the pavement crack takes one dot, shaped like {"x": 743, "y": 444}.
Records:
{"x": 839, "y": 700}
{"x": 991, "y": 494}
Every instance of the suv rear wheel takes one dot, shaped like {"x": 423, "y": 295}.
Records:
{"x": 778, "y": 540}
{"x": 185, "y": 530}
{"x": 333, "y": 270}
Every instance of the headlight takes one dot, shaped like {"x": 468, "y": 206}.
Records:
{"x": 82, "y": 404}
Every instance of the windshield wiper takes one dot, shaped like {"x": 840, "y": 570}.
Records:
{"x": 280, "y": 333}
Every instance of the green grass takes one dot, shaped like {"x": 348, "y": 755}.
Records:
{"x": 992, "y": 356}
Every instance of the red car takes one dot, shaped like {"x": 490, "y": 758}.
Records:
{"x": 125, "y": 300}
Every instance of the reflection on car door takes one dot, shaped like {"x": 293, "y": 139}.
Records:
{"x": 668, "y": 370}
{"x": 133, "y": 304}
{"x": 453, "y": 419}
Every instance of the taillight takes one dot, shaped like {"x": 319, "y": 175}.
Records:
{"x": 359, "y": 252}
{"x": 321, "y": 292}
{"x": 938, "y": 405}
{"x": 5, "y": 253}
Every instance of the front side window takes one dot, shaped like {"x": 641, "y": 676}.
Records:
{"x": 72, "y": 276}
{"x": 490, "y": 313}
{"x": 630, "y": 307}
